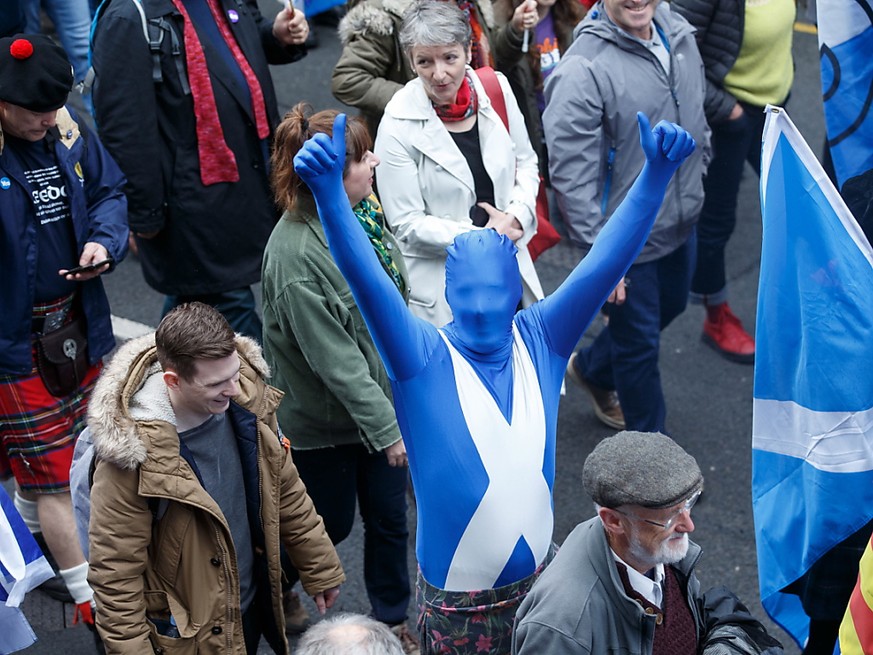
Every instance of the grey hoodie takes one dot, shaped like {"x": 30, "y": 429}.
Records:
{"x": 592, "y": 98}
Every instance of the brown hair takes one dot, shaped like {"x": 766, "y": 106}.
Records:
{"x": 190, "y": 332}
{"x": 296, "y": 127}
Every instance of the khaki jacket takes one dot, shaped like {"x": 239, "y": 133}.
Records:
{"x": 316, "y": 341}
{"x": 160, "y": 544}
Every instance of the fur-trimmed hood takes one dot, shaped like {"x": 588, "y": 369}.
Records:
{"x": 378, "y": 18}
{"x": 131, "y": 389}
{"x": 372, "y": 17}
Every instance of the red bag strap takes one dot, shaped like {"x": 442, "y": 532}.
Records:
{"x": 492, "y": 86}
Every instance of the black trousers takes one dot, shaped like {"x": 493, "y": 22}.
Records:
{"x": 335, "y": 479}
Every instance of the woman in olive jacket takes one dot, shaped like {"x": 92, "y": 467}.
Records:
{"x": 338, "y": 410}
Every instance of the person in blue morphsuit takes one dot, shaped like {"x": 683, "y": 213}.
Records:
{"x": 477, "y": 400}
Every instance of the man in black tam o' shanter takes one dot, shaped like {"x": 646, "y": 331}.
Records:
{"x": 63, "y": 223}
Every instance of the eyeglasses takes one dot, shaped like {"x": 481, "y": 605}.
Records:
{"x": 671, "y": 521}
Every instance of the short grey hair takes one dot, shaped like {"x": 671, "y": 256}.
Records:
{"x": 434, "y": 23}
{"x": 349, "y": 634}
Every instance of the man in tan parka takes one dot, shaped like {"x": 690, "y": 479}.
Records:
{"x": 194, "y": 496}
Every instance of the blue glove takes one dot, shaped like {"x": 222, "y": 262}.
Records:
{"x": 321, "y": 160}
{"x": 666, "y": 146}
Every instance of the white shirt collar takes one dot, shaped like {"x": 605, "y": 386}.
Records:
{"x": 649, "y": 588}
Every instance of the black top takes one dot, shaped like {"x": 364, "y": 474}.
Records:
{"x": 468, "y": 144}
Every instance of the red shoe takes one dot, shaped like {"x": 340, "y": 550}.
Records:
{"x": 724, "y": 333}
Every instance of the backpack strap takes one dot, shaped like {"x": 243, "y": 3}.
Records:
{"x": 157, "y": 506}
{"x": 155, "y": 38}
{"x": 176, "y": 49}
{"x": 494, "y": 91}
{"x": 91, "y": 468}
{"x": 153, "y": 31}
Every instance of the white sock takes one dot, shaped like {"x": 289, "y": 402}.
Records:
{"x": 28, "y": 511}
{"x": 76, "y": 579}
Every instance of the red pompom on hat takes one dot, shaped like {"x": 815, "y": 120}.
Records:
{"x": 34, "y": 72}
{"x": 21, "y": 49}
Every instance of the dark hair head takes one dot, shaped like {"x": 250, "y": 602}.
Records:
{"x": 296, "y": 127}
{"x": 190, "y": 332}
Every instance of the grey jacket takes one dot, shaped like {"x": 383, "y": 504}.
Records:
{"x": 579, "y": 606}
{"x": 592, "y": 98}
{"x": 719, "y": 25}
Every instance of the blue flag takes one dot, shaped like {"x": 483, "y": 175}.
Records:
{"x": 313, "y": 7}
{"x": 22, "y": 567}
{"x": 812, "y": 456}
{"x": 845, "y": 30}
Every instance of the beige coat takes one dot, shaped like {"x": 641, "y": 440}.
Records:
{"x": 427, "y": 189}
{"x": 176, "y": 555}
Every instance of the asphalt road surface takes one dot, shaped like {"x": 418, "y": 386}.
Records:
{"x": 709, "y": 400}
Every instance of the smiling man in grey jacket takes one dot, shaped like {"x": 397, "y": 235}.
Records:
{"x": 628, "y": 56}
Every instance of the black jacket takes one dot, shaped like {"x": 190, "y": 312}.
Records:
{"x": 209, "y": 238}
{"x": 98, "y": 208}
{"x": 719, "y": 25}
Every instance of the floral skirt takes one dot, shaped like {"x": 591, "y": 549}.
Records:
{"x": 469, "y": 622}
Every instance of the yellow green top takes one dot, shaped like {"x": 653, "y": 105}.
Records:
{"x": 764, "y": 70}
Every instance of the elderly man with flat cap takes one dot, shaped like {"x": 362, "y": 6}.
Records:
{"x": 623, "y": 582}
{"x": 63, "y": 223}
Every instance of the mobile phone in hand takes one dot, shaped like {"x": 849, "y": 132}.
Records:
{"x": 88, "y": 268}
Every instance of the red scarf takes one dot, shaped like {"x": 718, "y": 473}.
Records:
{"x": 465, "y": 105}
{"x": 217, "y": 161}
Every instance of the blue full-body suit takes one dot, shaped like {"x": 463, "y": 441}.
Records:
{"x": 455, "y": 458}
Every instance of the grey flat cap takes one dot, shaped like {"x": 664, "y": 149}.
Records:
{"x": 640, "y": 468}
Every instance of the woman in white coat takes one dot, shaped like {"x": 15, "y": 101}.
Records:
{"x": 448, "y": 163}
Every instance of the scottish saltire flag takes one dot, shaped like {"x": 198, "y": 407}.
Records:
{"x": 856, "y": 631}
{"x": 22, "y": 567}
{"x": 812, "y": 433}
{"x": 845, "y": 38}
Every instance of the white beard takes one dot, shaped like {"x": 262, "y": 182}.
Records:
{"x": 670, "y": 551}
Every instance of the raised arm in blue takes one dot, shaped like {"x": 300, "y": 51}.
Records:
{"x": 568, "y": 311}
{"x": 403, "y": 341}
